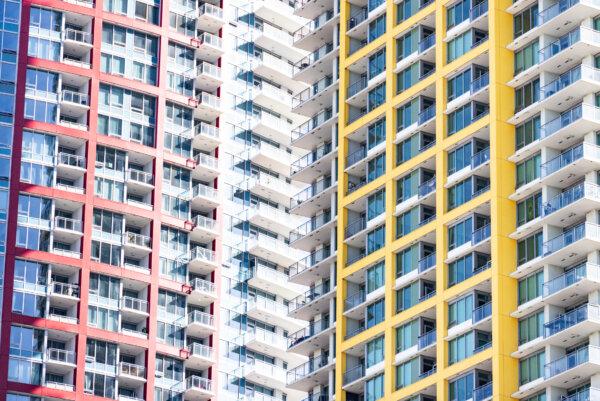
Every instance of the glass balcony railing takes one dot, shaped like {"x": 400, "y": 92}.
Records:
{"x": 312, "y": 58}
{"x": 309, "y": 296}
{"x": 311, "y": 225}
{"x": 313, "y": 190}
{"x": 307, "y": 368}
{"x": 426, "y": 339}
{"x": 571, "y": 319}
{"x": 356, "y": 156}
{"x": 480, "y": 158}
{"x": 482, "y": 312}
{"x": 311, "y": 157}
{"x": 560, "y": 7}
{"x": 312, "y": 91}
{"x": 426, "y": 262}
{"x": 573, "y": 276}
{"x": 356, "y": 86}
{"x": 355, "y": 227}
{"x": 571, "y": 195}
{"x": 358, "y": 17}
{"x": 313, "y": 25}
{"x": 564, "y": 159}
{"x": 570, "y": 236}
{"x": 570, "y": 361}
{"x": 354, "y": 300}
{"x": 478, "y": 10}
{"x": 354, "y": 374}
{"x": 484, "y": 392}
{"x": 426, "y": 188}
{"x": 426, "y": 43}
{"x": 311, "y": 260}
{"x": 200, "y": 350}
{"x": 313, "y": 123}
{"x": 568, "y": 78}
{"x": 481, "y": 234}
{"x": 426, "y": 115}
{"x": 568, "y": 40}
{"x": 311, "y": 330}
{"x": 480, "y": 83}
{"x": 569, "y": 117}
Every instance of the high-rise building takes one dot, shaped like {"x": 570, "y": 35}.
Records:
{"x": 468, "y": 188}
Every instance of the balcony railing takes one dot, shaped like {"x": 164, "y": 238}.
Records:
{"x": 313, "y": 25}
{"x": 204, "y": 222}
{"x": 307, "y": 368}
{"x": 309, "y": 296}
{"x": 65, "y": 223}
{"x": 66, "y": 289}
{"x": 356, "y": 86}
{"x": 426, "y": 262}
{"x": 140, "y": 176}
{"x": 131, "y": 369}
{"x": 311, "y": 330}
{"x": 313, "y": 123}
{"x": 210, "y": 39}
{"x": 312, "y": 58}
{"x": 480, "y": 158}
{"x": 70, "y": 160}
{"x": 311, "y": 260}
{"x": 199, "y": 253}
{"x": 357, "y": 18}
{"x": 202, "y": 318}
{"x": 313, "y": 190}
{"x": 481, "y": 234}
{"x": 354, "y": 374}
{"x": 312, "y": 91}
{"x": 558, "y": 8}
{"x": 571, "y": 277}
{"x": 426, "y": 115}
{"x": 571, "y": 360}
{"x": 571, "y": 318}
{"x": 75, "y": 97}
{"x": 199, "y": 383}
{"x": 355, "y": 226}
{"x": 570, "y": 236}
{"x": 77, "y": 36}
{"x": 205, "y": 191}
{"x": 427, "y": 339}
{"x": 481, "y": 312}
{"x": 478, "y": 10}
{"x": 484, "y": 392}
{"x": 426, "y": 43}
{"x": 135, "y": 304}
{"x": 210, "y": 9}
{"x": 130, "y": 238}
{"x": 356, "y": 156}
{"x": 60, "y": 355}
{"x": 426, "y": 188}
{"x": 200, "y": 350}
{"x": 199, "y": 284}
{"x": 355, "y": 300}
{"x": 311, "y": 157}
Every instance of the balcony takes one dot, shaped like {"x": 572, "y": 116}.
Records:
{"x": 314, "y": 164}
{"x": 204, "y": 198}
{"x": 274, "y": 281}
{"x": 576, "y": 283}
{"x": 312, "y": 99}
{"x": 210, "y": 17}
{"x": 207, "y": 106}
{"x": 316, "y": 130}
{"x": 267, "y": 342}
{"x": 137, "y": 245}
{"x": 208, "y": 76}
{"x": 277, "y": 40}
{"x": 198, "y": 388}
{"x": 202, "y": 293}
{"x": 202, "y": 261}
{"x": 352, "y": 378}
{"x": 271, "y": 187}
{"x": 209, "y": 46}
{"x": 272, "y": 97}
{"x": 307, "y": 38}
{"x": 483, "y": 393}
{"x": 477, "y": 19}
{"x": 64, "y": 294}
{"x": 562, "y": 54}
{"x": 568, "y": 328}
{"x": 131, "y": 374}
{"x": 318, "y": 62}
{"x": 310, "y": 9}
{"x": 479, "y": 165}
{"x": 313, "y": 232}
{"x": 572, "y": 244}
{"x": 74, "y": 103}
{"x": 206, "y": 136}
{"x": 557, "y": 18}
{"x": 425, "y": 270}
{"x": 206, "y": 167}
{"x": 309, "y": 374}
{"x": 77, "y": 43}
{"x": 274, "y": 219}
{"x": 134, "y": 309}
{"x": 264, "y": 373}
{"x": 424, "y": 51}
{"x": 60, "y": 360}
{"x": 272, "y": 312}
{"x": 140, "y": 181}
{"x": 278, "y": 69}
{"x": 314, "y": 266}
{"x": 67, "y": 230}
{"x": 563, "y": 93}
{"x": 480, "y": 242}
{"x": 275, "y": 250}
{"x": 199, "y": 357}
{"x": 573, "y": 368}
{"x": 314, "y": 336}
{"x": 314, "y": 198}
{"x": 277, "y": 10}
{"x": 205, "y": 229}
{"x": 200, "y": 324}
{"x": 271, "y": 127}
{"x": 425, "y": 121}
{"x": 312, "y": 302}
